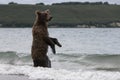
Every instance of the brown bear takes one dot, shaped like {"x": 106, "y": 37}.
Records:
{"x": 41, "y": 40}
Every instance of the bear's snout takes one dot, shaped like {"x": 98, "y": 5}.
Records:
{"x": 50, "y": 18}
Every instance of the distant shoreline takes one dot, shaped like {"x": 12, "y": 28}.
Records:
{"x": 110, "y": 25}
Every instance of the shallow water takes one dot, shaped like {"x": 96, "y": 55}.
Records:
{"x": 94, "y": 53}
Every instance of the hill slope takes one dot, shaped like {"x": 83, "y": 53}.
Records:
{"x": 63, "y": 15}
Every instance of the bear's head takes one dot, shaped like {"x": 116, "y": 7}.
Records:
{"x": 43, "y": 16}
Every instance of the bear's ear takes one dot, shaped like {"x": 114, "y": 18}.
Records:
{"x": 37, "y": 12}
{"x": 47, "y": 11}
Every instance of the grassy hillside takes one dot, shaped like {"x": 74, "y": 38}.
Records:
{"x": 64, "y": 15}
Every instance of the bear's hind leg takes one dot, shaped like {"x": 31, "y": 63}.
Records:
{"x": 48, "y": 62}
{"x": 35, "y": 63}
{"x": 42, "y": 62}
{"x": 39, "y": 63}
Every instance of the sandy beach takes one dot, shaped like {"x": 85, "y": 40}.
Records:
{"x": 14, "y": 77}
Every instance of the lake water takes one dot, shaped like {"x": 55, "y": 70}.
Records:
{"x": 86, "y": 54}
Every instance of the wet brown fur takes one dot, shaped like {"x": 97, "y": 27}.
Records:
{"x": 41, "y": 40}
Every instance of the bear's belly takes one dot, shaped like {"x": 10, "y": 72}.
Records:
{"x": 39, "y": 49}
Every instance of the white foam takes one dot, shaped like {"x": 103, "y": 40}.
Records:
{"x": 58, "y": 74}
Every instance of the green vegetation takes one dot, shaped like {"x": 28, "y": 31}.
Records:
{"x": 18, "y": 15}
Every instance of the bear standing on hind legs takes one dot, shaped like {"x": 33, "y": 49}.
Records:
{"x": 41, "y": 40}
